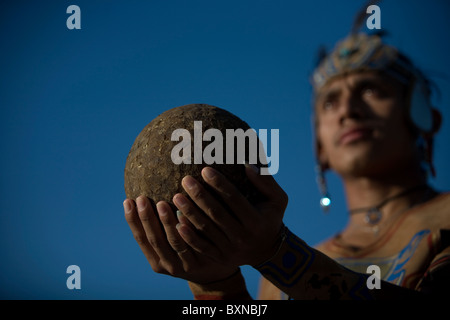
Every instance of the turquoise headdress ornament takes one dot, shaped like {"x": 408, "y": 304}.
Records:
{"x": 364, "y": 52}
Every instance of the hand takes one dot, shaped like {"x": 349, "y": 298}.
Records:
{"x": 244, "y": 233}
{"x": 165, "y": 250}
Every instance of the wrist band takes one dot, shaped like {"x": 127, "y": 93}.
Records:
{"x": 297, "y": 258}
{"x": 283, "y": 238}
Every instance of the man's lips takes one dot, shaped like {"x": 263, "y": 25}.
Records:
{"x": 354, "y": 134}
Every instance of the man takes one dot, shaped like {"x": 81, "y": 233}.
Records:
{"x": 374, "y": 127}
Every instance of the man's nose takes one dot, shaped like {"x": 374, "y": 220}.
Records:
{"x": 352, "y": 107}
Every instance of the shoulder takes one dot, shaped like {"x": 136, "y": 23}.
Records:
{"x": 434, "y": 214}
{"x": 441, "y": 200}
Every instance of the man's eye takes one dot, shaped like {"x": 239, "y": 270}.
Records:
{"x": 371, "y": 92}
{"x": 368, "y": 92}
{"x": 329, "y": 105}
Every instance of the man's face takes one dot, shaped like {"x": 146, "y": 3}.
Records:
{"x": 361, "y": 125}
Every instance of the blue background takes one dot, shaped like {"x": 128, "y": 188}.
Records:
{"x": 73, "y": 101}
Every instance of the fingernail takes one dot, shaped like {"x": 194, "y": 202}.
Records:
{"x": 180, "y": 230}
{"x": 209, "y": 172}
{"x": 179, "y": 214}
{"x": 189, "y": 182}
{"x": 127, "y": 206}
{"x": 180, "y": 200}
{"x": 140, "y": 202}
{"x": 161, "y": 208}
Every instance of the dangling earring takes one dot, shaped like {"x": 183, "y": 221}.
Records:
{"x": 325, "y": 199}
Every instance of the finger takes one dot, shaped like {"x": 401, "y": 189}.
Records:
{"x": 199, "y": 244}
{"x": 132, "y": 218}
{"x": 240, "y": 206}
{"x": 177, "y": 243}
{"x": 209, "y": 204}
{"x": 169, "y": 223}
{"x": 155, "y": 234}
{"x": 266, "y": 184}
{"x": 183, "y": 220}
{"x": 198, "y": 219}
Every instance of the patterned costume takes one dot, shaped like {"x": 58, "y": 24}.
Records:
{"x": 414, "y": 252}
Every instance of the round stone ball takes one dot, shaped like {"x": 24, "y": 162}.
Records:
{"x": 151, "y": 171}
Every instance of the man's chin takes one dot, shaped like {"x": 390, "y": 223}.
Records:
{"x": 356, "y": 165}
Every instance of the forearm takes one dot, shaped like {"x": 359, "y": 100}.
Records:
{"x": 305, "y": 273}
